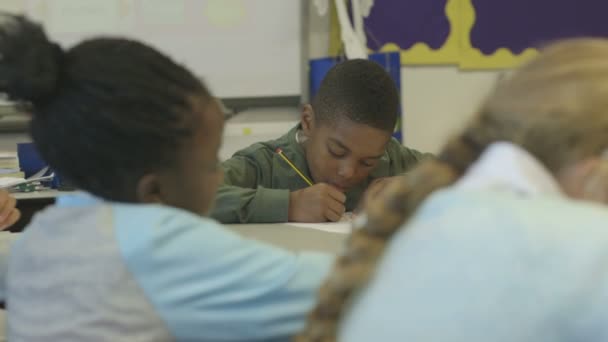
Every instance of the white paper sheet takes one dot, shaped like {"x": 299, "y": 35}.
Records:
{"x": 344, "y": 226}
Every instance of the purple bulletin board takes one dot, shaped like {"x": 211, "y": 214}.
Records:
{"x": 407, "y": 22}
{"x": 504, "y": 34}
{"x": 521, "y": 24}
{"x": 479, "y": 34}
{"x": 422, "y": 30}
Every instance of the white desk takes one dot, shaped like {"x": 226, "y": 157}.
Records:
{"x": 292, "y": 238}
{"x": 282, "y": 235}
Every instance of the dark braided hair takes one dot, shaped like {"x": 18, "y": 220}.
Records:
{"x": 361, "y": 91}
{"x": 104, "y": 112}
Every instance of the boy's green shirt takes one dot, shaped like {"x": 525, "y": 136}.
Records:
{"x": 257, "y": 181}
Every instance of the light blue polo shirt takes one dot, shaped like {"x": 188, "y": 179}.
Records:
{"x": 479, "y": 266}
{"x": 87, "y": 270}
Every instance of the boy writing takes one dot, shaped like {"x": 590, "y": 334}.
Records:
{"x": 343, "y": 145}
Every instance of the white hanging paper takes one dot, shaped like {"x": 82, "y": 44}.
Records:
{"x": 322, "y": 7}
{"x": 353, "y": 47}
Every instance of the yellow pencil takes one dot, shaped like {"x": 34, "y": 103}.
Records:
{"x": 280, "y": 152}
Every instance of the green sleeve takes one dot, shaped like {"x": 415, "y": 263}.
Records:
{"x": 404, "y": 158}
{"x": 413, "y": 156}
{"x": 240, "y": 199}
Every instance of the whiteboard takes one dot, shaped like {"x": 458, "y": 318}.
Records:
{"x": 240, "y": 48}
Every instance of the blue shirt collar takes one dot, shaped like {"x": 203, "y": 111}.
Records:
{"x": 77, "y": 199}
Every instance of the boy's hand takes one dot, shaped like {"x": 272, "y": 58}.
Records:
{"x": 375, "y": 189}
{"x": 318, "y": 203}
{"x": 8, "y": 213}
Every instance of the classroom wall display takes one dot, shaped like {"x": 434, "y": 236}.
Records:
{"x": 502, "y": 34}
{"x": 241, "y": 48}
{"x": 424, "y": 31}
{"x": 479, "y": 34}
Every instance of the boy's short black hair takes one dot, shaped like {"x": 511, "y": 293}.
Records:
{"x": 361, "y": 91}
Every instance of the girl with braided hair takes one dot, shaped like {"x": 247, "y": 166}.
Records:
{"x": 133, "y": 256}
{"x": 503, "y": 237}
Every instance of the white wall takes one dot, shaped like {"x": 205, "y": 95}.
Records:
{"x": 9, "y": 141}
{"x": 438, "y": 101}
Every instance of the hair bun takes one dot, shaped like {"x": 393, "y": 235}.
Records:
{"x": 29, "y": 62}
